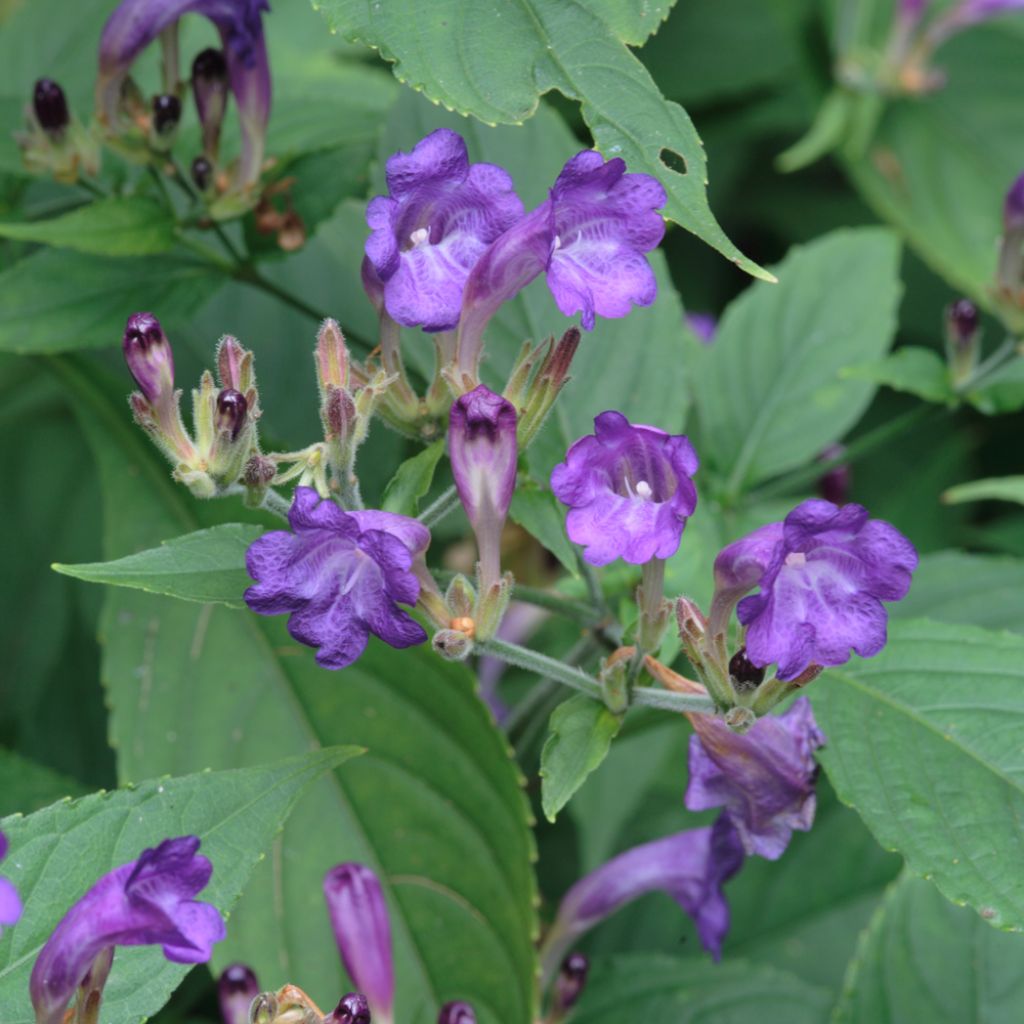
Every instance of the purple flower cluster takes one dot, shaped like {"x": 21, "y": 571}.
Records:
{"x": 145, "y": 902}
{"x": 450, "y": 242}
{"x": 629, "y": 490}
{"x": 340, "y": 575}
{"x": 823, "y": 574}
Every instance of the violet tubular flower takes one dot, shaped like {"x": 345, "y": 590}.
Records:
{"x": 691, "y": 866}
{"x": 237, "y": 987}
{"x": 590, "y": 237}
{"x": 764, "y": 778}
{"x": 145, "y": 902}
{"x": 359, "y": 918}
{"x": 10, "y": 902}
{"x": 823, "y": 575}
{"x": 340, "y": 575}
{"x": 440, "y": 213}
{"x": 629, "y": 489}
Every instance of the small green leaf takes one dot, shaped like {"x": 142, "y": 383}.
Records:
{"x": 494, "y": 59}
{"x": 412, "y": 480}
{"x": 996, "y": 488}
{"x": 208, "y": 565}
{"x": 539, "y": 513}
{"x": 921, "y": 951}
{"x": 26, "y": 786}
{"x": 1001, "y": 392}
{"x": 581, "y": 735}
{"x": 132, "y": 226}
{"x": 917, "y": 370}
{"x": 57, "y": 300}
{"x": 58, "y": 853}
{"x": 923, "y": 741}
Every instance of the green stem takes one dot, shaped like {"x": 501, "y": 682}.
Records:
{"x": 855, "y": 450}
{"x": 542, "y": 665}
{"x": 274, "y": 502}
{"x": 447, "y": 502}
{"x": 666, "y": 700}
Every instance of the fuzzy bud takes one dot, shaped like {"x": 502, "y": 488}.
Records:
{"x": 50, "y": 106}
{"x": 148, "y": 355}
{"x": 210, "y": 91}
{"x": 353, "y": 1009}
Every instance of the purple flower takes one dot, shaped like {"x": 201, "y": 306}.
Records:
{"x": 237, "y": 987}
{"x": 764, "y": 778}
{"x": 629, "y": 491}
{"x": 483, "y": 451}
{"x": 359, "y": 917}
{"x": 690, "y": 866}
{"x": 703, "y": 325}
{"x": 210, "y": 91}
{"x": 149, "y": 357}
{"x": 353, "y": 1009}
{"x": 340, "y": 575}
{"x": 10, "y": 903}
{"x": 834, "y": 483}
{"x": 572, "y": 979}
{"x": 136, "y": 23}
{"x": 456, "y": 1013}
{"x": 145, "y": 902}
{"x": 440, "y": 215}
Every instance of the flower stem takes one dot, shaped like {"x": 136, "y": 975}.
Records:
{"x": 542, "y": 665}
{"x": 274, "y": 502}
{"x": 665, "y": 700}
{"x": 447, "y": 502}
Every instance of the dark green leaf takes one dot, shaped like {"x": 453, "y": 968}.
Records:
{"x": 26, "y": 786}
{"x": 130, "y": 226}
{"x": 436, "y": 809}
{"x": 768, "y": 391}
{"x": 923, "y": 742}
{"x": 57, "y": 300}
{"x": 540, "y": 514}
{"x": 582, "y": 730}
{"x": 58, "y": 853}
{"x": 412, "y": 480}
{"x": 1002, "y": 488}
{"x": 922, "y": 956}
{"x": 208, "y": 565}
{"x": 917, "y": 370}
{"x": 495, "y": 58}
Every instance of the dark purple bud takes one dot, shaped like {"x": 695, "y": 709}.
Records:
{"x": 572, "y": 978}
{"x": 231, "y": 411}
{"x": 961, "y": 323}
{"x": 746, "y": 676}
{"x": 834, "y": 484}
{"x": 210, "y": 90}
{"x": 50, "y": 106}
{"x": 456, "y": 1013}
{"x": 353, "y": 1009}
{"x": 202, "y": 173}
{"x": 148, "y": 355}
{"x": 166, "y": 113}
{"x": 237, "y": 987}
{"x": 1013, "y": 208}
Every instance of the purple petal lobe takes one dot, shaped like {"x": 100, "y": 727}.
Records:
{"x": 145, "y": 902}
{"x": 340, "y": 575}
{"x": 764, "y": 779}
{"x": 10, "y": 902}
{"x": 629, "y": 490}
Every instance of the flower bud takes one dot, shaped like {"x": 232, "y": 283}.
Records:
{"x": 210, "y": 91}
{"x": 166, "y": 114}
{"x": 237, "y": 987}
{"x": 148, "y": 355}
{"x": 963, "y": 339}
{"x": 353, "y": 1009}
{"x": 452, "y": 644}
{"x": 332, "y": 359}
{"x": 1010, "y": 270}
{"x": 745, "y": 675}
{"x": 483, "y": 451}
{"x": 461, "y": 597}
{"x": 547, "y": 384}
{"x": 235, "y": 365}
{"x": 456, "y": 1013}
{"x": 231, "y": 412}
{"x": 572, "y": 978}
{"x": 50, "y": 107}
{"x": 740, "y": 720}
{"x": 202, "y": 173}
{"x": 834, "y": 483}
{"x": 359, "y": 917}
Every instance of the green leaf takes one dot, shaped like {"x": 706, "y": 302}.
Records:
{"x": 922, "y": 741}
{"x": 26, "y": 786}
{"x": 132, "y": 226}
{"x": 977, "y": 590}
{"x": 768, "y": 391}
{"x": 494, "y": 59}
{"x": 56, "y": 300}
{"x": 540, "y": 514}
{"x": 208, "y": 565}
{"x": 923, "y": 958}
{"x": 667, "y": 990}
{"x": 581, "y": 735}
{"x": 59, "y": 852}
{"x": 1002, "y": 392}
{"x": 917, "y": 370}
{"x": 997, "y": 488}
{"x": 412, "y": 480}
{"x": 435, "y": 807}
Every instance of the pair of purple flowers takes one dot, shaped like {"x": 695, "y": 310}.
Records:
{"x": 451, "y": 241}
